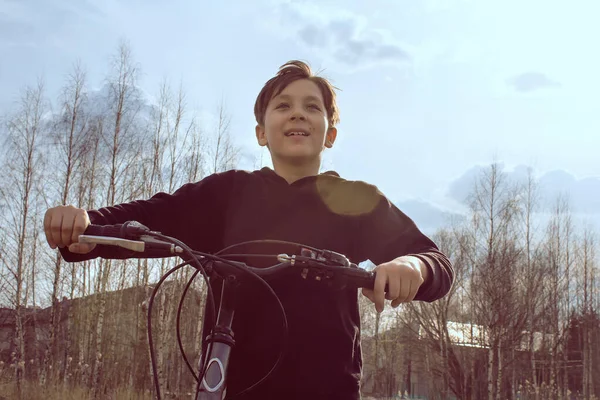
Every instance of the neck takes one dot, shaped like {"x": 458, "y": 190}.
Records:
{"x": 293, "y": 172}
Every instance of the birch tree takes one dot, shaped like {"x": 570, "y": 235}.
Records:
{"x": 118, "y": 131}
{"x": 224, "y": 153}
{"x": 495, "y": 290}
{"x": 20, "y": 194}
{"x": 67, "y": 133}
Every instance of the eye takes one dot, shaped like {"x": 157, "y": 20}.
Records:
{"x": 314, "y": 107}
{"x": 282, "y": 105}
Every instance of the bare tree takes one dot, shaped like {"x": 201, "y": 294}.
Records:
{"x": 224, "y": 153}
{"x": 558, "y": 256}
{"x": 196, "y": 160}
{"x": 23, "y": 166}
{"x": 533, "y": 272}
{"x": 587, "y": 269}
{"x": 68, "y": 133}
{"x": 118, "y": 130}
{"x": 495, "y": 206}
{"x": 430, "y": 324}
{"x": 524, "y": 306}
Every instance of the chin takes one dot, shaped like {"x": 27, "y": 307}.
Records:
{"x": 300, "y": 157}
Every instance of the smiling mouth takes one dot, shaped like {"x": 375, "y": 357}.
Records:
{"x": 297, "y": 133}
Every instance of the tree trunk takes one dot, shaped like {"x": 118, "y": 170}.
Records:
{"x": 500, "y": 366}
{"x": 22, "y": 172}
{"x": 490, "y": 372}
{"x": 97, "y": 385}
{"x": 198, "y": 333}
{"x": 161, "y": 335}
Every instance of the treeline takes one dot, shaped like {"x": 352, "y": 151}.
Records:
{"x": 91, "y": 149}
{"x": 521, "y": 322}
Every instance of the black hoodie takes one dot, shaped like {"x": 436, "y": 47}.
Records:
{"x": 323, "y": 356}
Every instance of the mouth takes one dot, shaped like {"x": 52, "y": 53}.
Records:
{"x": 297, "y": 133}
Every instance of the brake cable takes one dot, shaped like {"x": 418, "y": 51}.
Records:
{"x": 210, "y": 295}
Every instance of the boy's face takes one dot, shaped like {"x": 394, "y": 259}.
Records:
{"x": 296, "y": 127}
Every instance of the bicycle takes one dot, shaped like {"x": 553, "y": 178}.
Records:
{"x": 137, "y": 241}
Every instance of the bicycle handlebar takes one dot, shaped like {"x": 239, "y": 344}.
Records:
{"x": 138, "y": 241}
{"x": 320, "y": 265}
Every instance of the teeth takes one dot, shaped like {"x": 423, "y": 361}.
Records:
{"x": 297, "y": 133}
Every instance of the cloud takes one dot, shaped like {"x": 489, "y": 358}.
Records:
{"x": 460, "y": 189}
{"x": 342, "y": 35}
{"x": 40, "y": 22}
{"x": 583, "y": 194}
{"x": 531, "y": 81}
{"x": 428, "y": 217}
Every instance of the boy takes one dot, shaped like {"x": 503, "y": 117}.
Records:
{"x": 296, "y": 114}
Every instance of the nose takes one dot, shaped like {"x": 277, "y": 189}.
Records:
{"x": 297, "y": 115}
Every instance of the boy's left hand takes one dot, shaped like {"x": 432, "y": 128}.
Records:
{"x": 403, "y": 275}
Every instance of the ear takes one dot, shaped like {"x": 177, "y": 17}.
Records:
{"x": 261, "y": 137}
{"x": 330, "y": 137}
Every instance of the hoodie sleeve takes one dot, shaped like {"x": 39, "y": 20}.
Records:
{"x": 192, "y": 214}
{"x": 387, "y": 233}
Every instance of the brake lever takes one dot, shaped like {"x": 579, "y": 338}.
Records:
{"x": 146, "y": 242}
{"x": 325, "y": 256}
{"x": 134, "y": 245}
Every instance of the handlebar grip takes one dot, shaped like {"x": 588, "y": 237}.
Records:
{"x": 362, "y": 278}
{"x": 126, "y": 230}
{"x": 104, "y": 230}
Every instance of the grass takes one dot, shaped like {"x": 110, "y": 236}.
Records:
{"x": 32, "y": 391}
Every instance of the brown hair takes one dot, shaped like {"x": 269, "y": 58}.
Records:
{"x": 288, "y": 73}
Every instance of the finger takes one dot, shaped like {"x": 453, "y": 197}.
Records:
{"x": 79, "y": 225}
{"x": 81, "y": 248}
{"x": 405, "y": 291}
{"x": 394, "y": 281}
{"x": 379, "y": 289}
{"x": 55, "y": 228}
{"x": 47, "y": 228}
{"x": 66, "y": 228}
{"x": 414, "y": 288}
{"x": 368, "y": 293}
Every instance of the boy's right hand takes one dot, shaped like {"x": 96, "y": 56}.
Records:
{"x": 63, "y": 225}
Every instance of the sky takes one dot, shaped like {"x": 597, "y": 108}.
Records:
{"x": 430, "y": 90}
